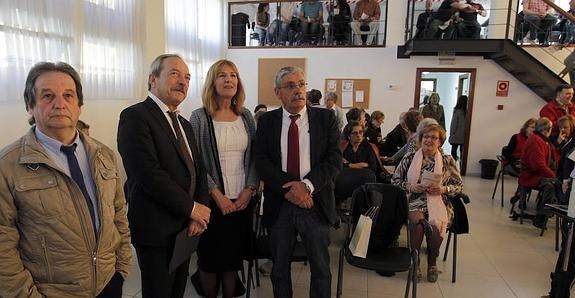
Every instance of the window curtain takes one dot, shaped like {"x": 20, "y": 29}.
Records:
{"x": 195, "y": 30}
{"x": 101, "y": 39}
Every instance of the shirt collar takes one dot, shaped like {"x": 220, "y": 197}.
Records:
{"x": 302, "y": 113}
{"x": 161, "y": 104}
{"x": 50, "y": 143}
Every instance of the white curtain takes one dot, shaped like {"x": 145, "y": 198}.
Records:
{"x": 195, "y": 30}
{"x": 101, "y": 39}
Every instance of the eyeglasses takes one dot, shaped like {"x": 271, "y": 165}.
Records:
{"x": 434, "y": 138}
{"x": 293, "y": 86}
{"x": 360, "y": 132}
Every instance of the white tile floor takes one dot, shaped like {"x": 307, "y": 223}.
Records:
{"x": 499, "y": 258}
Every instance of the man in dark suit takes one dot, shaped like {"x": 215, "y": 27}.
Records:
{"x": 297, "y": 150}
{"x": 166, "y": 183}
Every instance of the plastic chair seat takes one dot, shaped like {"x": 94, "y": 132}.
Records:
{"x": 396, "y": 259}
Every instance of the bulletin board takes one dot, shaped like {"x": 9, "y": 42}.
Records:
{"x": 267, "y": 69}
{"x": 351, "y": 93}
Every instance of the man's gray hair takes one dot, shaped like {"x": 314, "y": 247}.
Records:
{"x": 284, "y": 71}
{"x": 543, "y": 124}
{"x": 157, "y": 64}
{"x": 331, "y": 96}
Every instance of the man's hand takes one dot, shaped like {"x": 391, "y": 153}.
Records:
{"x": 201, "y": 214}
{"x": 195, "y": 228}
{"x": 298, "y": 194}
{"x": 244, "y": 199}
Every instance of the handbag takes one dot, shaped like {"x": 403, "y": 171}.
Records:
{"x": 360, "y": 239}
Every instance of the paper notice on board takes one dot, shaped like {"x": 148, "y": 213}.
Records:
{"x": 347, "y": 99}
{"x": 331, "y": 85}
{"x": 359, "y": 96}
{"x": 347, "y": 86}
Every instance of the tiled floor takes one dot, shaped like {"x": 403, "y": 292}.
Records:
{"x": 499, "y": 258}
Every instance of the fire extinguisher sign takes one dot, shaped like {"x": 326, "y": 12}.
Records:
{"x": 502, "y": 89}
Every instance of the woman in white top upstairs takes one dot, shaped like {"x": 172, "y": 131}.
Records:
{"x": 224, "y": 131}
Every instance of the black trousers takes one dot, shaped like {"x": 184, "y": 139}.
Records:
{"x": 157, "y": 282}
{"x": 114, "y": 287}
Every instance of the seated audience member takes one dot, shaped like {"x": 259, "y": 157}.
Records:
{"x": 434, "y": 110}
{"x": 373, "y": 131}
{"x": 331, "y": 104}
{"x": 539, "y": 18}
{"x": 423, "y": 20}
{"x": 469, "y": 27}
{"x": 560, "y": 106}
{"x": 260, "y": 107}
{"x": 442, "y": 18}
{"x": 366, "y": 14}
{"x": 311, "y": 18}
{"x": 429, "y": 207}
{"x": 262, "y": 22}
{"x": 357, "y": 114}
{"x": 413, "y": 121}
{"x": 514, "y": 149}
{"x": 396, "y": 138}
{"x": 538, "y": 167}
{"x": 83, "y": 127}
{"x": 565, "y": 144}
{"x": 339, "y": 22}
{"x": 314, "y": 98}
{"x": 357, "y": 152}
{"x": 280, "y": 31}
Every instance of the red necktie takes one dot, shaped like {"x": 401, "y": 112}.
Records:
{"x": 293, "y": 148}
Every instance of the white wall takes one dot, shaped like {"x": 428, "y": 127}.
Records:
{"x": 490, "y": 128}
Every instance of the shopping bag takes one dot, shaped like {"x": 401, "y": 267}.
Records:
{"x": 360, "y": 239}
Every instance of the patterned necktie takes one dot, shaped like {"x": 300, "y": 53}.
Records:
{"x": 185, "y": 153}
{"x": 293, "y": 148}
{"x": 77, "y": 176}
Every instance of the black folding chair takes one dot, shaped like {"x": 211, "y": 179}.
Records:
{"x": 460, "y": 225}
{"x": 390, "y": 259}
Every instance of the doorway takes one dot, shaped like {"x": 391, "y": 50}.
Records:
{"x": 449, "y": 84}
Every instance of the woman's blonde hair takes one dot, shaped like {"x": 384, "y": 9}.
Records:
{"x": 209, "y": 90}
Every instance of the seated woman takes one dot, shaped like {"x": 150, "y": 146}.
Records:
{"x": 373, "y": 129}
{"x": 514, "y": 149}
{"x": 360, "y": 161}
{"x": 429, "y": 177}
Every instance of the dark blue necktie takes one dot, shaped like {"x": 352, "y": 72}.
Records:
{"x": 76, "y": 174}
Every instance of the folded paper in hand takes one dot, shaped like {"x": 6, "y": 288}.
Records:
{"x": 430, "y": 179}
{"x": 184, "y": 247}
{"x": 364, "y": 16}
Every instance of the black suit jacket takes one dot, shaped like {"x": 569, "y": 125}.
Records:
{"x": 325, "y": 161}
{"x": 394, "y": 140}
{"x": 159, "y": 205}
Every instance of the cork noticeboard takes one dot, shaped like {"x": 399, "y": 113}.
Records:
{"x": 267, "y": 69}
{"x": 351, "y": 93}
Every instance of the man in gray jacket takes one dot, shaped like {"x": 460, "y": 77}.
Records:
{"x": 63, "y": 225}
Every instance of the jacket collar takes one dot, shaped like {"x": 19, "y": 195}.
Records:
{"x": 32, "y": 151}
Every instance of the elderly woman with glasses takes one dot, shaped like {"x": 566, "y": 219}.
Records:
{"x": 429, "y": 177}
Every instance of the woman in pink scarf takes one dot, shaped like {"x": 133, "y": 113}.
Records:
{"x": 428, "y": 176}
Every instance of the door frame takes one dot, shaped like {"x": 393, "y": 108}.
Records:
{"x": 472, "y": 77}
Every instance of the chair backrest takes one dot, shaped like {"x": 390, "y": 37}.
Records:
{"x": 392, "y": 215}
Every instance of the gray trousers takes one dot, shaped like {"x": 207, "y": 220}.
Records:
{"x": 314, "y": 231}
